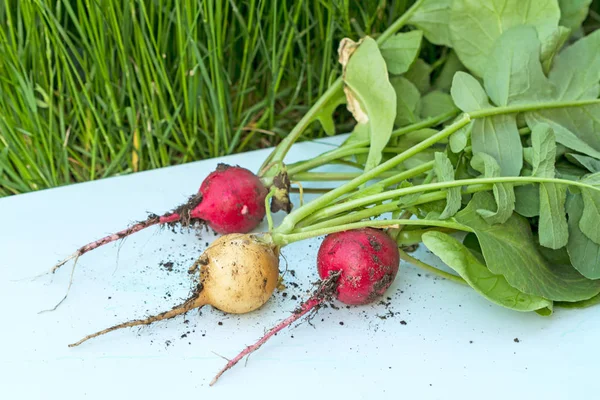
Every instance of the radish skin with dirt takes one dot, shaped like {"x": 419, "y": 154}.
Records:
{"x": 356, "y": 268}
{"x": 230, "y": 200}
{"x": 237, "y": 274}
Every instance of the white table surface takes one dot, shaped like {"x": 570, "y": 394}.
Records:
{"x": 442, "y": 342}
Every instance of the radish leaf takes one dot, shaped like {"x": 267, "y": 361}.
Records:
{"x": 325, "y": 115}
{"x": 467, "y": 93}
{"x": 552, "y": 45}
{"x": 436, "y": 103}
{"x": 509, "y": 250}
{"x": 408, "y": 101}
{"x": 369, "y": 93}
{"x": 499, "y": 137}
{"x": 432, "y": 18}
{"x": 513, "y": 73}
{"x": 583, "y": 252}
{"x": 553, "y": 228}
{"x": 493, "y": 287}
{"x": 474, "y": 27}
{"x": 504, "y": 194}
{"x": 445, "y": 173}
{"x": 401, "y": 50}
{"x": 573, "y": 12}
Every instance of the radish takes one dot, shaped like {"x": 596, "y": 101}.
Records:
{"x": 230, "y": 200}
{"x": 238, "y": 274}
{"x": 368, "y": 260}
{"x": 356, "y": 267}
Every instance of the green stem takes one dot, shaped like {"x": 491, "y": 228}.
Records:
{"x": 341, "y": 151}
{"x": 283, "y": 239}
{"x": 490, "y": 112}
{"x": 396, "y": 178}
{"x": 415, "y": 236}
{"x": 349, "y": 218}
{"x": 297, "y": 215}
{"x": 282, "y": 149}
{"x": 268, "y": 198}
{"x": 319, "y": 161}
{"x": 429, "y": 268}
{"x": 481, "y": 183}
{"x": 331, "y": 176}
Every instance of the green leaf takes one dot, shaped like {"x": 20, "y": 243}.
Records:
{"x": 444, "y": 171}
{"x": 504, "y": 194}
{"x": 573, "y": 12}
{"x": 579, "y": 304}
{"x": 543, "y": 154}
{"x": 432, "y": 18}
{"x": 401, "y": 50}
{"x": 583, "y": 252}
{"x": 509, "y": 249}
{"x": 325, "y": 114}
{"x": 589, "y": 163}
{"x": 408, "y": 101}
{"x": 553, "y": 229}
{"x": 513, "y": 72}
{"x": 556, "y": 257}
{"x": 552, "y": 45}
{"x": 468, "y": 94}
{"x": 486, "y": 165}
{"x": 459, "y": 139}
{"x": 369, "y": 93}
{"x": 419, "y": 75}
{"x": 527, "y": 200}
{"x": 450, "y": 68}
{"x": 590, "y": 220}
{"x": 493, "y": 287}
{"x": 474, "y": 27}
{"x": 574, "y": 127}
{"x": 576, "y": 76}
{"x": 436, "y": 103}
{"x": 499, "y": 137}
{"x": 568, "y": 171}
{"x": 576, "y": 70}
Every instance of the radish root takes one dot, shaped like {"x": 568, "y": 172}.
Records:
{"x": 151, "y": 221}
{"x": 193, "y": 302}
{"x": 326, "y": 292}
{"x": 68, "y": 289}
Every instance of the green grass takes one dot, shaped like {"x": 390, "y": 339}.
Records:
{"x": 96, "y": 88}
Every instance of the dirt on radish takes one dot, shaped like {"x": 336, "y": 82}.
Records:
{"x": 231, "y": 199}
{"x": 237, "y": 274}
{"x": 356, "y": 268}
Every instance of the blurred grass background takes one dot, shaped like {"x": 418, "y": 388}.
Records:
{"x": 96, "y": 88}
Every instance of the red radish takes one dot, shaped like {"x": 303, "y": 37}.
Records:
{"x": 355, "y": 266}
{"x": 233, "y": 200}
{"x": 230, "y": 200}
{"x": 367, "y": 259}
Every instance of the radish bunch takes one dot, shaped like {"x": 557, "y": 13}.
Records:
{"x": 428, "y": 155}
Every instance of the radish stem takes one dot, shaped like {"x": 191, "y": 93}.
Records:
{"x": 429, "y": 268}
{"x": 282, "y": 149}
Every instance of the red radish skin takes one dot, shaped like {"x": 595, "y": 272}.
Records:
{"x": 230, "y": 200}
{"x": 356, "y": 267}
{"x": 233, "y": 200}
{"x": 368, "y": 260}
